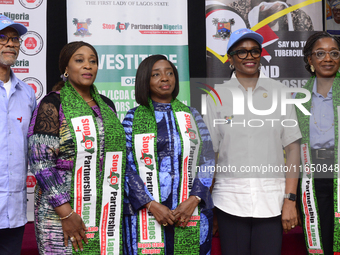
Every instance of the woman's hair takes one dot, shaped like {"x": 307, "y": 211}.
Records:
{"x": 143, "y": 76}
{"x": 65, "y": 55}
{"x": 307, "y": 50}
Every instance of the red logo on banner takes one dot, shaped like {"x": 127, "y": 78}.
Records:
{"x": 31, "y": 1}
{"x": 33, "y": 87}
{"x": 31, "y": 43}
{"x": 31, "y": 181}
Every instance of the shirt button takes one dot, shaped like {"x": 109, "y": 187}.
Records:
{"x": 10, "y": 132}
{"x": 10, "y": 153}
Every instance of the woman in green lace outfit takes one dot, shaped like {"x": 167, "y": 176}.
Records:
{"x": 319, "y": 191}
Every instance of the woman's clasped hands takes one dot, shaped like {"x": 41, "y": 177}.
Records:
{"x": 179, "y": 216}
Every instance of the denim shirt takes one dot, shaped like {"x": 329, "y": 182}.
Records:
{"x": 15, "y": 114}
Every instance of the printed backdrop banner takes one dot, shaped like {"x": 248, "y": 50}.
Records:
{"x": 31, "y": 63}
{"x": 126, "y": 32}
{"x": 285, "y": 27}
{"x": 332, "y": 16}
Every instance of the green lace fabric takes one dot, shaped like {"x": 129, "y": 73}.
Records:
{"x": 75, "y": 106}
{"x": 304, "y": 124}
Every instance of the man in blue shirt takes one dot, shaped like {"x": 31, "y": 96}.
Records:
{"x": 17, "y": 103}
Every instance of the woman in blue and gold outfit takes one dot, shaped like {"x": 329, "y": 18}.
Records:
{"x": 167, "y": 207}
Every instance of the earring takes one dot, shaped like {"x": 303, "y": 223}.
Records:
{"x": 65, "y": 74}
{"x": 232, "y": 67}
{"x": 260, "y": 66}
{"x": 312, "y": 68}
{"x": 339, "y": 70}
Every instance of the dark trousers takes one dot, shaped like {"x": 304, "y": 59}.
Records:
{"x": 324, "y": 196}
{"x": 324, "y": 191}
{"x": 11, "y": 240}
{"x": 249, "y": 236}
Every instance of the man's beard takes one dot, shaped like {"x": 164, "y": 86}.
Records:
{"x": 9, "y": 60}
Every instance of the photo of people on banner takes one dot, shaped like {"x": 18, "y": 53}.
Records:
{"x": 285, "y": 26}
{"x": 333, "y": 17}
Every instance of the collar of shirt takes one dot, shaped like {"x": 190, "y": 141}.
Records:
{"x": 15, "y": 81}
{"x": 259, "y": 84}
{"x": 316, "y": 94}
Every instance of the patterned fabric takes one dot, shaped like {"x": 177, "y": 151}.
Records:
{"x": 169, "y": 155}
{"x": 304, "y": 123}
{"x": 51, "y": 156}
{"x": 301, "y": 21}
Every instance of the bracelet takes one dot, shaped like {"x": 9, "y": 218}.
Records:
{"x": 150, "y": 205}
{"x": 198, "y": 198}
{"x": 64, "y": 218}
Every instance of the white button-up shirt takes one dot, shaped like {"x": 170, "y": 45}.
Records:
{"x": 250, "y": 171}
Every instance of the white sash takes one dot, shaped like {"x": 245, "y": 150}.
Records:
{"x": 309, "y": 204}
{"x": 191, "y": 145}
{"x": 149, "y": 229}
{"x": 85, "y": 193}
{"x": 111, "y": 204}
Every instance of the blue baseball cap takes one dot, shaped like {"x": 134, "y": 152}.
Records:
{"x": 244, "y": 33}
{"x": 7, "y": 22}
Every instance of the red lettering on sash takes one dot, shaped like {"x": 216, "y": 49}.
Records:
{"x": 187, "y": 121}
{"x": 90, "y": 235}
{"x": 146, "y": 144}
{"x": 92, "y": 229}
{"x": 114, "y": 167}
{"x": 144, "y": 245}
{"x": 305, "y": 207}
{"x": 79, "y": 191}
{"x": 319, "y": 251}
{"x": 185, "y": 180}
{"x": 144, "y": 225}
{"x": 198, "y": 217}
{"x": 151, "y": 251}
{"x": 103, "y": 230}
{"x": 86, "y": 126}
{"x": 157, "y": 245}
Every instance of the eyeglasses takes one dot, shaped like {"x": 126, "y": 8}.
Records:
{"x": 243, "y": 54}
{"x": 4, "y": 39}
{"x": 321, "y": 54}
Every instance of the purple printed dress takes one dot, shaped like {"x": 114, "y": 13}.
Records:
{"x": 51, "y": 154}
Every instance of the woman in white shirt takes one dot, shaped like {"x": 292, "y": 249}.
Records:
{"x": 250, "y": 184}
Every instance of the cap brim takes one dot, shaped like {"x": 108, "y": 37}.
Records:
{"x": 254, "y": 36}
{"x": 21, "y": 29}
